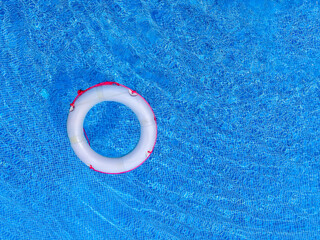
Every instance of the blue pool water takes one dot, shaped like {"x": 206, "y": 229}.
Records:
{"x": 235, "y": 89}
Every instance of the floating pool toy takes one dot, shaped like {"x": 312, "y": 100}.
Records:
{"x": 111, "y": 91}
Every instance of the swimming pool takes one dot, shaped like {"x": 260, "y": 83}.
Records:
{"x": 234, "y": 87}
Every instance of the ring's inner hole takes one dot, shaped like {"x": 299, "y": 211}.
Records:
{"x": 112, "y": 128}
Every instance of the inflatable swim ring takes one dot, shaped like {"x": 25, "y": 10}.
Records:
{"x": 111, "y": 91}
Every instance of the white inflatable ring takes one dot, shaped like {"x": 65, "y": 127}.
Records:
{"x": 110, "y": 91}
